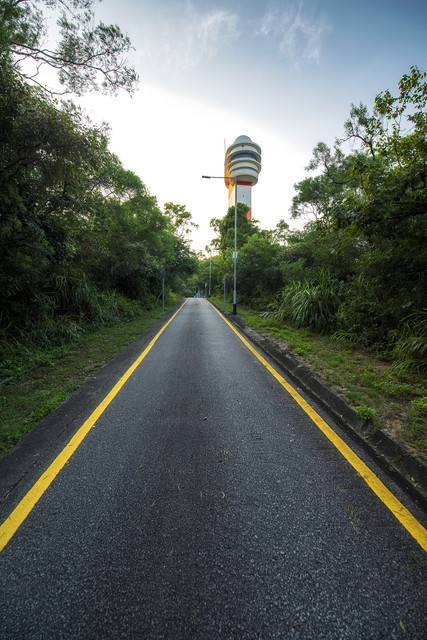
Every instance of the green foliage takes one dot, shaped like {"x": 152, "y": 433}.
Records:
{"x": 57, "y": 224}
{"x": 259, "y": 272}
{"x": 311, "y": 304}
{"x": 417, "y": 416}
{"x": 87, "y": 56}
{"x": 411, "y": 347}
{"x": 307, "y": 252}
{"x": 181, "y": 220}
{"x": 357, "y": 269}
{"x": 81, "y": 240}
{"x": 315, "y": 195}
{"x": 366, "y": 413}
{"x": 375, "y": 201}
{"x": 225, "y": 228}
{"x": 19, "y": 344}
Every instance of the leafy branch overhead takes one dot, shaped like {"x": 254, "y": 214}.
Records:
{"x": 181, "y": 220}
{"x": 380, "y": 187}
{"x": 88, "y": 57}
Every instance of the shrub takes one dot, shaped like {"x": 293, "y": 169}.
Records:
{"x": 366, "y": 413}
{"x": 411, "y": 349}
{"x": 417, "y": 416}
{"x": 312, "y": 303}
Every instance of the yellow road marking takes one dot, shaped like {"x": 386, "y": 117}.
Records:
{"x": 410, "y": 523}
{"x": 18, "y": 515}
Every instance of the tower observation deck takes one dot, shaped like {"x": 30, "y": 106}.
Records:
{"x": 243, "y": 164}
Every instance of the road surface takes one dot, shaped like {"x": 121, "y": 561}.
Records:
{"x": 204, "y": 502}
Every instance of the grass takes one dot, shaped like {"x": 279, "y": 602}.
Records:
{"x": 387, "y": 398}
{"x": 55, "y": 373}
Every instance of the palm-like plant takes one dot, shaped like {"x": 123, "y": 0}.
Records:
{"x": 411, "y": 348}
{"x": 311, "y": 303}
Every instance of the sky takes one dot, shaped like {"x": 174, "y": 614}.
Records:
{"x": 283, "y": 72}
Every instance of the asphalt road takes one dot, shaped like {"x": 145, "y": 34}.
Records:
{"x": 205, "y": 503}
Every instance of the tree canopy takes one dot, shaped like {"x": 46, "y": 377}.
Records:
{"x": 87, "y": 57}
{"x": 80, "y": 235}
{"x": 358, "y": 267}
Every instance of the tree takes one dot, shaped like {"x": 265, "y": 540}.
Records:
{"x": 364, "y": 128}
{"x": 88, "y": 56}
{"x": 137, "y": 242}
{"x": 181, "y": 220}
{"x": 224, "y": 227}
{"x": 78, "y": 231}
{"x": 48, "y": 207}
{"x": 280, "y": 234}
{"x": 259, "y": 270}
{"x": 73, "y": 220}
{"x": 376, "y": 196}
{"x": 389, "y": 173}
{"x": 314, "y": 197}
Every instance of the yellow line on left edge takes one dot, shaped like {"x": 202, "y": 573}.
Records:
{"x": 17, "y": 517}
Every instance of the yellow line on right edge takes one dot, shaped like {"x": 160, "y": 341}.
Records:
{"x": 19, "y": 514}
{"x": 410, "y": 523}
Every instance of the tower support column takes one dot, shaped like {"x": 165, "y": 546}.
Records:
{"x": 243, "y": 195}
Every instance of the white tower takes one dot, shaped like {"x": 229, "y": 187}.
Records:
{"x": 243, "y": 164}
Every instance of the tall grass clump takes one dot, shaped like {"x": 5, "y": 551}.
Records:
{"x": 410, "y": 351}
{"x": 309, "y": 303}
{"x": 68, "y": 313}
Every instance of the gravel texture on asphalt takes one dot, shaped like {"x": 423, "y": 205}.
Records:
{"x": 205, "y": 503}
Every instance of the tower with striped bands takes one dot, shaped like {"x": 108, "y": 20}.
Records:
{"x": 242, "y": 164}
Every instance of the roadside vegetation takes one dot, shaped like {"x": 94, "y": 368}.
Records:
{"x": 49, "y": 374}
{"x": 379, "y": 392}
{"x": 84, "y": 245}
{"x": 348, "y": 291}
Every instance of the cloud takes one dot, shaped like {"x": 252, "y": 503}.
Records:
{"x": 188, "y": 35}
{"x": 297, "y": 30}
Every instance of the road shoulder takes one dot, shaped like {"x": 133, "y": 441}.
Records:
{"x": 40, "y": 446}
{"x": 408, "y": 471}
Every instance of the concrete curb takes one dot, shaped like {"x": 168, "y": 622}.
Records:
{"x": 409, "y": 472}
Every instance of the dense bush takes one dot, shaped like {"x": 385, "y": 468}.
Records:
{"x": 313, "y": 304}
{"x": 411, "y": 345}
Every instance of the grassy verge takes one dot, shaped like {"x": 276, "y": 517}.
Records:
{"x": 56, "y": 372}
{"x": 387, "y": 398}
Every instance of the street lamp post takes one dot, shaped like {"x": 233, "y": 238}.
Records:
{"x": 235, "y": 236}
{"x": 208, "y": 248}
